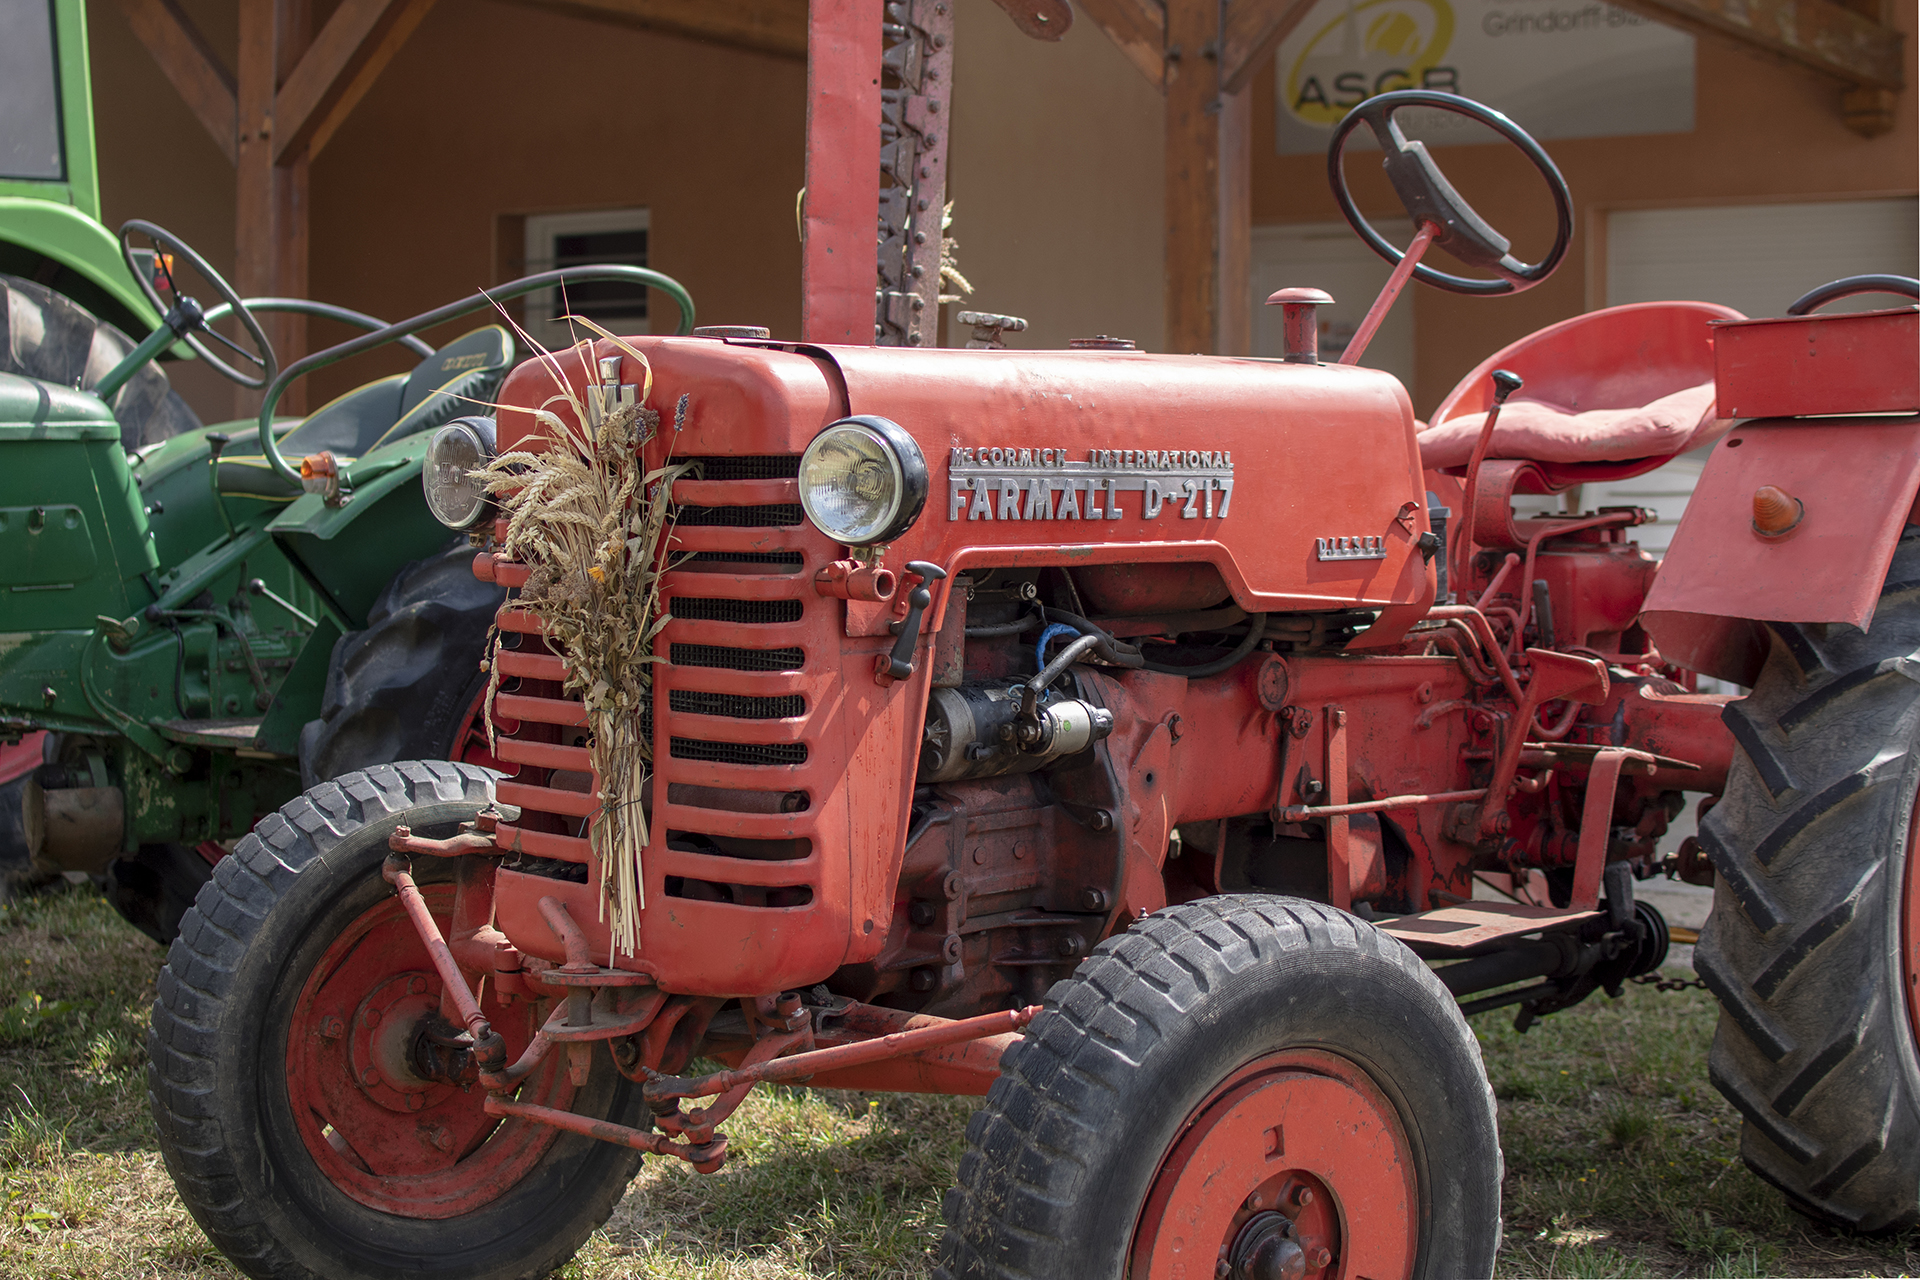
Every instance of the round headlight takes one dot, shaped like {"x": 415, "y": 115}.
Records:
{"x": 863, "y": 481}
{"x": 457, "y": 499}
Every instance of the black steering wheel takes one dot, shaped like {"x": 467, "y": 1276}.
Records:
{"x": 1808, "y": 303}
{"x": 1429, "y": 197}
{"x": 186, "y": 317}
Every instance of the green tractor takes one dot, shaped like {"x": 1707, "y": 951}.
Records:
{"x": 193, "y": 627}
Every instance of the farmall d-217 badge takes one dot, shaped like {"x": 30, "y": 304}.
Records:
{"x": 1046, "y": 484}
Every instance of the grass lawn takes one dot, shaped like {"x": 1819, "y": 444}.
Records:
{"x": 1621, "y": 1159}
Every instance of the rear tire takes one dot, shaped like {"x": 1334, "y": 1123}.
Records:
{"x": 49, "y": 337}
{"x": 406, "y": 687}
{"x": 1810, "y": 945}
{"x": 1272, "y": 1045}
{"x": 299, "y": 1159}
{"x": 154, "y": 889}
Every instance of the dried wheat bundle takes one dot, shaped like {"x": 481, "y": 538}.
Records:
{"x": 591, "y": 523}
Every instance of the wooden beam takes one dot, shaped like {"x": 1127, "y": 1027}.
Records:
{"x": 1828, "y": 37}
{"x": 187, "y": 61}
{"x": 1139, "y": 27}
{"x": 346, "y": 58}
{"x": 1233, "y": 331}
{"x": 1192, "y": 177}
{"x": 1255, "y": 29}
{"x": 765, "y": 26}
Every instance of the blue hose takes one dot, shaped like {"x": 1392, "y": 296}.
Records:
{"x": 1052, "y": 631}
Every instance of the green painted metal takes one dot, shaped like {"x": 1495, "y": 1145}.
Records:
{"x": 485, "y": 300}
{"x": 79, "y": 182}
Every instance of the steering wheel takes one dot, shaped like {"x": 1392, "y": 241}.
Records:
{"x": 186, "y": 317}
{"x": 1812, "y": 301}
{"x": 1429, "y": 197}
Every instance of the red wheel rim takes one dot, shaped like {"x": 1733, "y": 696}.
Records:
{"x": 1299, "y": 1146}
{"x": 382, "y": 1135}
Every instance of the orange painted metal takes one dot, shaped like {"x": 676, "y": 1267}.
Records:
{"x": 1795, "y": 366}
{"x": 1301, "y": 1120}
{"x": 842, "y": 203}
{"x": 1856, "y": 477}
{"x": 965, "y": 1068}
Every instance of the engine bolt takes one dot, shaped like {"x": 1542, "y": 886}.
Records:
{"x": 1093, "y": 899}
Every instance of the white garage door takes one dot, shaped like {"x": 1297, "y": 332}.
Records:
{"x": 1758, "y": 258}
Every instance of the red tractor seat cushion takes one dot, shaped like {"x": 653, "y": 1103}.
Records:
{"x": 1543, "y": 432}
{"x": 1614, "y": 392}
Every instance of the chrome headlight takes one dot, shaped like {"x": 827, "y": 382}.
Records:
{"x": 456, "y": 498}
{"x": 863, "y": 481}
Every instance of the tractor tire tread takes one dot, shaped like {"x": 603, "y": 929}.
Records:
{"x": 1020, "y": 1175}
{"x": 1814, "y": 1047}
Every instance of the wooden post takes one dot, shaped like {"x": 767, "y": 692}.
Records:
{"x": 270, "y": 200}
{"x": 1192, "y": 174}
{"x": 1209, "y": 158}
{"x": 1234, "y": 334}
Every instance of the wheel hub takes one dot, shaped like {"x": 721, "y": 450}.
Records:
{"x": 1266, "y": 1250}
{"x": 386, "y": 1027}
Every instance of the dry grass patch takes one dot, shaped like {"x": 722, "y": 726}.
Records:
{"x": 1621, "y": 1159}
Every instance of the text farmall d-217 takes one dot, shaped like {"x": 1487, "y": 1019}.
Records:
{"x": 1110, "y": 698}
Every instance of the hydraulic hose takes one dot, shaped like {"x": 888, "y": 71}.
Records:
{"x": 270, "y": 448}
{"x": 1256, "y": 627}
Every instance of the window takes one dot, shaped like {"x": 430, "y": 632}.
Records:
{"x": 556, "y": 240}
{"x": 29, "y": 93}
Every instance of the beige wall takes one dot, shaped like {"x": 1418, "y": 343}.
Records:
{"x": 491, "y": 111}
{"x": 1056, "y": 177}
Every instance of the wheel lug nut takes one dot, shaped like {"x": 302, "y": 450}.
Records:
{"x": 1256, "y": 1201}
{"x": 371, "y": 1018}
{"x": 332, "y": 1028}
{"x": 1303, "y": 1197}
{"x": 1321, "y": 1257}
{"x": 369, "y": 1077}
{"x": 413, "y": 1102}
{"x": 416, "y": 985}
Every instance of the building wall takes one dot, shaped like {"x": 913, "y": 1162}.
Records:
{"x": 491, "y": 112}
{"x": 1765, "y": 131}
{"x": 1056, "y": 177}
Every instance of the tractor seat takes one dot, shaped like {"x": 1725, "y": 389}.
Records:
{"x": 1607, "y": 395}
{"x": 459, "y": 378}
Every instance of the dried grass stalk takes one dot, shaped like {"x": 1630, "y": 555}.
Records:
{"x": 591, "y": 525}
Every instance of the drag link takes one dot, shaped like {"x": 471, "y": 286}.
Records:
{"x": 799, "y": 1066}
{"x": 489, "y": 1050}
{"x": 705, "y": 1158}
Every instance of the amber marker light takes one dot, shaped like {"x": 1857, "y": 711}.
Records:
{"x": 1776, "y": 512}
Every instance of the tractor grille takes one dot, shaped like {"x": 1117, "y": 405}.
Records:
{"x": 773, "y": 515}
{"x": 729, "y": 659}
{"x": 747, "y": 612}
{"x": 753, "y": 654}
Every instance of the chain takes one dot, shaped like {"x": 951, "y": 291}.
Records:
{"x": 1659, "y": 983}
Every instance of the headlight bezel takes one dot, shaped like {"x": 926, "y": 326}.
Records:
{"x": 909, "y": 473}
{"x": 482, "y": 432}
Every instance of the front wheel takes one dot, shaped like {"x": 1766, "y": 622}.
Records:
{"x": 284, "y": 1050}
{"x": 1239, "y": 1087}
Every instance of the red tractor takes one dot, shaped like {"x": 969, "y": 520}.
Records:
{"x": 1117, "y": 736}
